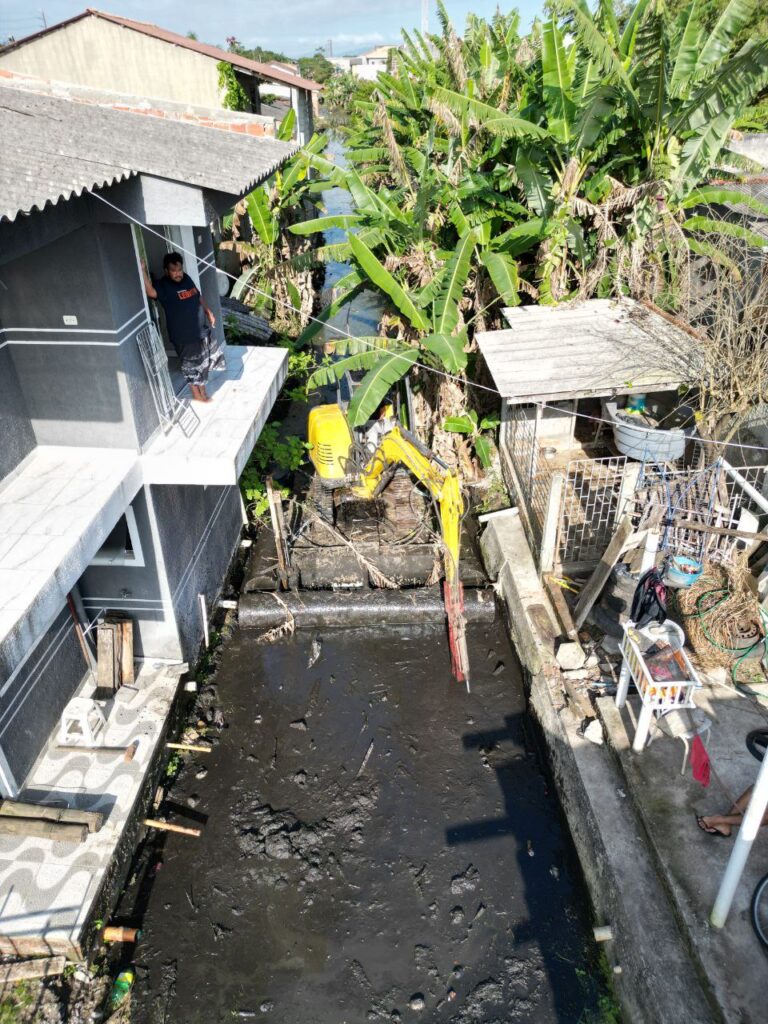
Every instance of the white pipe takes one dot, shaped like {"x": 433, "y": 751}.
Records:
{"x": 746, "y": 486}
{"x": 741, "y": 847}
{"x": 204, "y": 613}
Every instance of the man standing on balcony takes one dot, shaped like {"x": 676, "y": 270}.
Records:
{"x": 184, "y": 310}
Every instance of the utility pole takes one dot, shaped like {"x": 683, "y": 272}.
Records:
{"x": 330, "y": 48}
{"x": 424, "y": 17}
{"x": 43, "y": 18}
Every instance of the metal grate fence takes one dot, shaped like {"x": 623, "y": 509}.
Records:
{"x": 527, "y": 473}
{"x": 589, "y": 508}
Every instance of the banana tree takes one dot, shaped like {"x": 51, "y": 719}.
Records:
{"x": 259, "y": 234}
{"x": 429, "y": 323}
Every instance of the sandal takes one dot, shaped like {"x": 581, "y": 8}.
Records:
{"x": 711, "y": 831}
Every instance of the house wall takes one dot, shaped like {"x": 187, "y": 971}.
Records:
{"x": 199, "y": 529}
{"x": 17, "y": 437}
{"x": 140, "y": 591}
{"x": 71, "y": 375}
{"x": 100, "y": 54}
{"x": 33, "y": 696}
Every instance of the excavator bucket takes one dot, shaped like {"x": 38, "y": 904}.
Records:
{"x": 453, "y": 599}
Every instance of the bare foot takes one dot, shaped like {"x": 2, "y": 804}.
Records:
{"x": 714, "y": 826}
{"x": 199, "y": 393}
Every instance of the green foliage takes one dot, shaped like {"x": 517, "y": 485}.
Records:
{"x": 316, "y": 67}
{"x": 235, "y": 97}
{"x": 478, "y": 431}
{"x": 272, "y": 452}
{"x": 12, "y": 1007}
{"x": 174, "y": 765}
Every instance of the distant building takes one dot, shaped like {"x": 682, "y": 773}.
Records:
{"x": 105, "y": 51}
{"x": 365, "y": 65}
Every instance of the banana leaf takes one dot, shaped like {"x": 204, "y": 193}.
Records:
{"x": 264, "y": 222}
{"x": 311, "y": 227}
{"x": 446, "y": 308}
{"x": 383, "y": 280}
{"x": 502, "y": 270}
{"x": 449, "y": 349}
{"x": 374, "y": 387}
{"x": 285, "y": 128}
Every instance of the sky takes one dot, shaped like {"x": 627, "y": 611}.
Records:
{"x": 296, "y": 27}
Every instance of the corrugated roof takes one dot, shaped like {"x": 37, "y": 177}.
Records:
{"x": 55, "y": 148}
{"x": 266, "y": 71}
{"x": 593, "y": 348}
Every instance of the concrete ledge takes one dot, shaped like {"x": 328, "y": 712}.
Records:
{"x": 689, "y": 863}
{"x": 658, "y": 981}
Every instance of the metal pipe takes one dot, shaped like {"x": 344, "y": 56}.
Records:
{"x": 323, "y": 608}
{"x": 742, "y": 844}
{"x": 746, "y": 486}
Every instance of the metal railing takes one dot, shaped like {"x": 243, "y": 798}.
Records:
{"x": 170, "y": 408}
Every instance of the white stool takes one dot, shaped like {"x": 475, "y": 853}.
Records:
{"x": 81, "y": 723}
{"x": 684, "y": 726}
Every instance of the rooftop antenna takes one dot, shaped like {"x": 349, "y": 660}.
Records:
{"x": 424, "y": 17}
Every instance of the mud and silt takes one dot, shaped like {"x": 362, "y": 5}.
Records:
{"x": 379, "y": 846}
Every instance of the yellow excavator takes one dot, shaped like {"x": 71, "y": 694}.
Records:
{"x": 365, "y": 466}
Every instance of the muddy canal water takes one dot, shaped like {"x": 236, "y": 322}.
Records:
{"x": 379, "y": 846}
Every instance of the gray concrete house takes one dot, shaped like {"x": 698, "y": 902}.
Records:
{"x": 108, "y": 52}
{"x": 115, "y": 493}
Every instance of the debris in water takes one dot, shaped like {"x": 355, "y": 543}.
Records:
{"x": 466, "y": 881}
{"x": 451, "y": 994}
{"x": 529, "y": 845}
{"x": 365, "y": 759}
{"x": 300, "y": 778}
{"x": 314, "y": 654}
{"x": 499, "y": 669}
{"x": 266, "y": 1006}
{"x": 417, "y": 1002}
{"x": 299, "y": 724}
{"x": 457, "y": 915}
{"x": 201, "y": 774}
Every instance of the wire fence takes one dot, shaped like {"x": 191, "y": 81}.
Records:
{"x": 597, "y": 492}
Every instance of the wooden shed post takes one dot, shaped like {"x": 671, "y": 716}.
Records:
{"x": 551, "y": 528}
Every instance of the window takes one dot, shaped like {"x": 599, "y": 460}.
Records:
{"x": 123, "y": 545}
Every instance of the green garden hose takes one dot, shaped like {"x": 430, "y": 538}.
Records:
{"x": 701, "y": 614}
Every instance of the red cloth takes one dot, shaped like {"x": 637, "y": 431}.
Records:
{"x": 700, "y": 761}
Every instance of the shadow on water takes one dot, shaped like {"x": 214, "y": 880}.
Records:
{"x": 513, "y": 752}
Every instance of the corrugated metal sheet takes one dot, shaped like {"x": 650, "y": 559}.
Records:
{"x": 266, "y": 71}
{"x": 55, "y": 148}
{"x": 593, "y": 348}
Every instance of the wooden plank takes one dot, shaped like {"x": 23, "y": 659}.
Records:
{"x": 28, "y": 970}
{"x": 59, "y": 831}
{"x": 126, "y": 653}
{"x": 70, "y": 815}
{"x": 278, "y": 528}
{"x": 108, "y": 656}
{"x": 597, "y": 580}
{"x": 562, "y": 610}
{"x": 720, "y": 531}
{"x": 166, "y": 826}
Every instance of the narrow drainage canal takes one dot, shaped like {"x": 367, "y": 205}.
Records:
{"x": 375, "y": 838}
{"x": 377, "y": 844}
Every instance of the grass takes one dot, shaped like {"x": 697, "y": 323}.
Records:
{"x": 13, "y": 1007}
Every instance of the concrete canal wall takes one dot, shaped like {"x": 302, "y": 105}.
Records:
{"x": 655, "y": 974}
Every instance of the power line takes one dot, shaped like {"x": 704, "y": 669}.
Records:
{"x": 210, "y": 264}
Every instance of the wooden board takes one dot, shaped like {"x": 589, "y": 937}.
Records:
{"x": 562, "y": 610}
{"x": 108, "y": 642}
{"x": 27, "y": 970}
{"x": 126, "y": 652}
{"x": 43, "y": 829}
{"x": 69, "y": 815}
{"x": 597, "y": 580}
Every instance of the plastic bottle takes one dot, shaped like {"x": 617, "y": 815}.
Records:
{"x": 122, "y": 986}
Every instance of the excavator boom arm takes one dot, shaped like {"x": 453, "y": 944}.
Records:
{"x": 397, "y": 448}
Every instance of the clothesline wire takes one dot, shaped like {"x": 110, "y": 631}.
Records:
{"x": 211, "y": 265}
